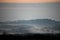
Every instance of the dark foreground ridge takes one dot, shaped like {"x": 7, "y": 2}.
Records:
{"x": 31, "y": 36}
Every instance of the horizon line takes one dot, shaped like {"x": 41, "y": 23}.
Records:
{"x": 28, "y": 20}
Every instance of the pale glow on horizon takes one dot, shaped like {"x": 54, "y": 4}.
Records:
{"x": 29, "y": 15}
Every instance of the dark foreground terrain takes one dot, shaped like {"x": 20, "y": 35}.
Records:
{"x": 31, "y": 36}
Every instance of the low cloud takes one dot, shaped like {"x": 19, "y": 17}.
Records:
{"x": 21, "y": 29}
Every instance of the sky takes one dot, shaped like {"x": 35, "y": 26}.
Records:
{"x": 28, "y": 10}
{"x": 28, "y": 1}
{"x": 11, "y": 10}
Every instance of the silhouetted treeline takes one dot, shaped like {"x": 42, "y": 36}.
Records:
{"x": 32, "y": 36}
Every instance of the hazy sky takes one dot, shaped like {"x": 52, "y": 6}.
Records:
{"x": 29, "y": 11}
{"x": 29, "y": 1}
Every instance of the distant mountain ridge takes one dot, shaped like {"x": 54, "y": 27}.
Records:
{"x": 32, "y": 21}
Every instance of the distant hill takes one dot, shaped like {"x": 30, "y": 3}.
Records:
{"x": 42, "y": 21}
